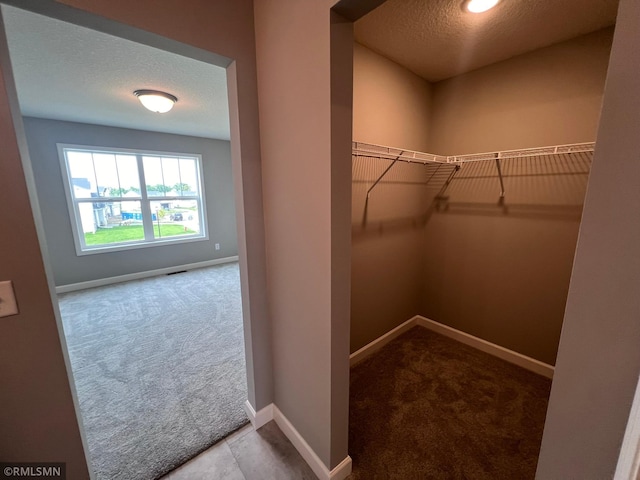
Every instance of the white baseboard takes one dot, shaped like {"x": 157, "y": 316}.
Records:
{"x": 259, "y": 418}
{"x": 139, "y": 275}
{"x": 340, "y": 472}
{"x": 628, "y": 467}
{"x": 510, "y": 356}
{"x": 380, "y": 342}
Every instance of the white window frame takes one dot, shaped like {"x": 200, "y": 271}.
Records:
{"x": 145, "y": 201}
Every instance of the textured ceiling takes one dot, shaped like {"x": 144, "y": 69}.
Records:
{"x": 437, "y": 39}
{"x": 66, "y": 72}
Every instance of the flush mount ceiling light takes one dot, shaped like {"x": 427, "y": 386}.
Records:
{"x": 479, "y": 6}
{"x": 159, "y": 102}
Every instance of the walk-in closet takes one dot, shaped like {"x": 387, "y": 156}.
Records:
{"x": 473, "y": 139}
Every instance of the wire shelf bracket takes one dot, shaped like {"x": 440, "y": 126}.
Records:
{"x": 502, "y": 192}
{"x": 381, "y": 177}
{"x": 361, "y": 149}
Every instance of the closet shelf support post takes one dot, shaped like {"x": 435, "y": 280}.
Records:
{"x": 366, "y": 200}
{"x": 440, "y": 196}
{"x": 501, "y": 200}
{"x": 382, "y": 176}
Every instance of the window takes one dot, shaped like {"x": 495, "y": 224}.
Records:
{"x": 121, "y": 199}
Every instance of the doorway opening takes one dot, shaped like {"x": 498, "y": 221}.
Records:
{"x": 126, "y": 197}
{"x": 457, "y": 227}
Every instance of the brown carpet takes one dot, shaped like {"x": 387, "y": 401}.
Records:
{"x": 428, "y": 407}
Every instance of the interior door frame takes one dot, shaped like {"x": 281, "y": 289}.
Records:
{"x": 251, "y": 251}
{"x": 628, "y": 461}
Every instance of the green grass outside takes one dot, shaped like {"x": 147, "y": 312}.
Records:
{"x": 130, "y": 233}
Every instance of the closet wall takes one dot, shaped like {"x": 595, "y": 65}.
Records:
{"x": 391, "y": 106}
{"x": 502, "y": 274}
{"x": 550, "y": 96}
{"x": 498, "y": 273}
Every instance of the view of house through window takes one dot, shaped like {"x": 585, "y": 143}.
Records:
{"x": 123, "y": 199}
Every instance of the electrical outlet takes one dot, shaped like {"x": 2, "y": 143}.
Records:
{"x": 8, "y": 305}
{"x": 217, "y": 246}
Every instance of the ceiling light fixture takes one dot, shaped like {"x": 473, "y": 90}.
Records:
{"x": 479, "y": 6}
{"x": 159, "y": 102}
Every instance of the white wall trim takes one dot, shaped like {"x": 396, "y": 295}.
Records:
{"x": 510, "y": 356}
{"x": 381, "y": 341}
{"x": 138, "y": 275}
{"x": 340, "y": 472}
{"x": 629, "y": 459}
{"x": 260, "y": 418}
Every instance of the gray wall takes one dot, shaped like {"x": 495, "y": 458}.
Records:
{"x": 391, "y": 106}
{"x": 498, "y": 273}
{"x": 388, "y": 251}
{"x": 599, "y": 359}
{"x": 502, "y": 274}
{"x": 549, "y": 96}
{"x": 38, "y": 419}
{"x": 306, "y": 224}
{"x": 68, "y": 267}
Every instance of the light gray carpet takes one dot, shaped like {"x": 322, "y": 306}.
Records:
{"x": 159, "y": 368}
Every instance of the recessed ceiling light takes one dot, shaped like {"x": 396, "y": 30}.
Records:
{"x": 159, "y": 102}
{"x": 479, "y": 6}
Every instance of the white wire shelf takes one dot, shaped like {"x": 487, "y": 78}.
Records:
{"x": 378, "y": 151}
{"x": 527, "y": 152}
{"x": 361, "y": 149}
{"x": 391, "y": 153}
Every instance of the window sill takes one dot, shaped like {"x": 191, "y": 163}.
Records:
{"x": 137, "y": 245}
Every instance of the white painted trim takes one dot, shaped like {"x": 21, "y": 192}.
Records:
{"x": 138, "y": 275}
{"x": 73, "y": 203}
{"x": 380, "y": 342}
{"x": 510, "y": 356}
{"x": 629, "y": 460}
{"x": 271, "y": 412}
{"x": 260, "y": 418}
{"x": 340, "y": 472}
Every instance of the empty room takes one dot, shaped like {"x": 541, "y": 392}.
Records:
{"x": 138, "y": 210}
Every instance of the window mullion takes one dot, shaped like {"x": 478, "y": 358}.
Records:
{"x": 78, "y": 222}
{"x": 145, "y": 204}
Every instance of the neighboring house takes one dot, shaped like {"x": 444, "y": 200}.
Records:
{"x": 89, "y": 214}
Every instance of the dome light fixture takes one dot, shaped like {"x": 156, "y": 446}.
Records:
{"x": 159, "y": 102}
{"x": 479, "y": 6}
